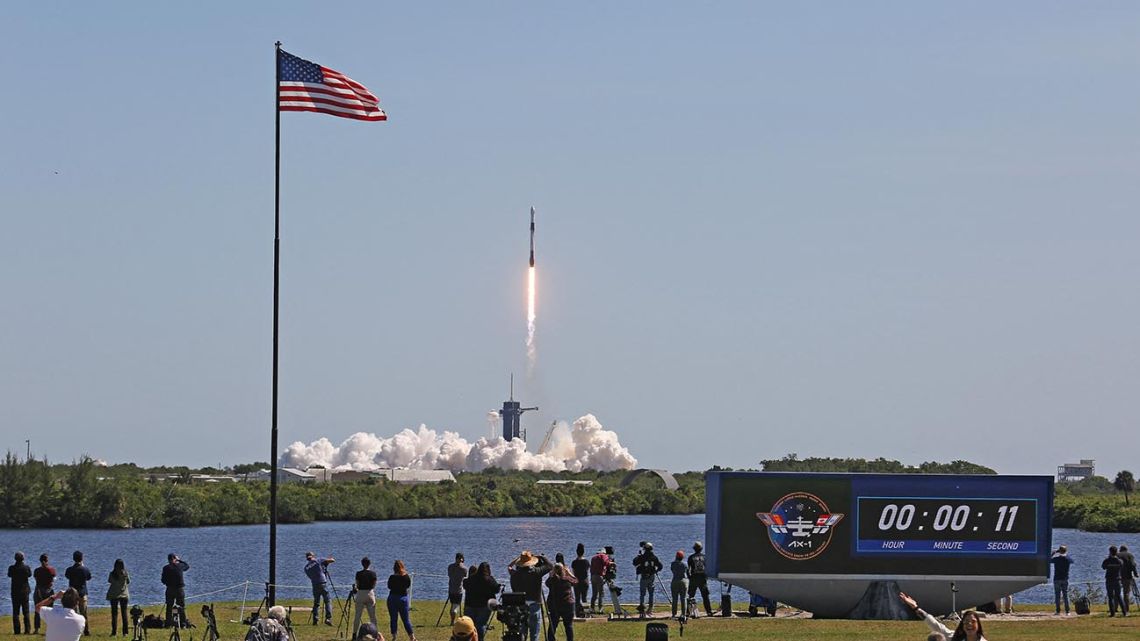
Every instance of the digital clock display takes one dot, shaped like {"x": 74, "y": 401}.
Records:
{"x": 934, "y": 525}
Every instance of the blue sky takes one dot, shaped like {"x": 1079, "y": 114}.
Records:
{"x": 875, "y": 229}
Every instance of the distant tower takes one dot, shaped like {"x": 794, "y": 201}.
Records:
{"x": 511, "y": 413}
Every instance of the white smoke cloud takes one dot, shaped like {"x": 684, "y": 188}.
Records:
{"x": 585, "y": 445}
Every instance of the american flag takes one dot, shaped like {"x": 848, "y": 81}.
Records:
{"x": 307, "y": 86}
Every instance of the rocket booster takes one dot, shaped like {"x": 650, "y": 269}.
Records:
{"x": 532, "y": 236}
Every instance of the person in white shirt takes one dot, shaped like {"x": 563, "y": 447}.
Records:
{"x": 63, "y": 622}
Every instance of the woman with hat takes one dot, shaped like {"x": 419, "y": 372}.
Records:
{"x": 526, "y": 577}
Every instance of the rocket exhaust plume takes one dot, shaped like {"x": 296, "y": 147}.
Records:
{"x": 531, "y": 349}
{"x": 582, "y": 445}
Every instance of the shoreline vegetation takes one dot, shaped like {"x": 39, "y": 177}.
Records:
{"x": 85, "y": 494}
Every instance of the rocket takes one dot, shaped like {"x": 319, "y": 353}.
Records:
{"x": 532, "y": 236}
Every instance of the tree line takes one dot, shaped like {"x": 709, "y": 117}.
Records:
{"x": 84, "y": 494}
{"x": 87, "y": 495}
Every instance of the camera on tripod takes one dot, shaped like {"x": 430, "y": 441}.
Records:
{"x": 512, "y": 610}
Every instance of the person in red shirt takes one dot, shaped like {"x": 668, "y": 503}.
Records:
{"x": 45, "y": 581}
{"x": 598, "y": 564}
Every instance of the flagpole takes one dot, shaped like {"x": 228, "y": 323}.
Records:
{"x": 271, "y": 587}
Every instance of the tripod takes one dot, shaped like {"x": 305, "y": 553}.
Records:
{"x": 289, "y": 624}
{"x": 335, "y": 595}
{"x": 615, "y": 594}
{"x": 176, "y": 623}
{"x": 346, "y": 616}
{"x": 211, "y": 631}
{"x": 256, "y": 614}
{"x": 136, "y": 621}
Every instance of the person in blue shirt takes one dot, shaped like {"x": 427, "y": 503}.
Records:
{"x": 317, "y": 571}
{"x": 1061, "y": 563}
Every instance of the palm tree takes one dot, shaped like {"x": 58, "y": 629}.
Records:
{"x": 1124, "y": 483}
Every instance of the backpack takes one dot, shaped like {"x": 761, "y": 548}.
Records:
{"x": 1081, "y": 605}
{"x": 697, "y": 564}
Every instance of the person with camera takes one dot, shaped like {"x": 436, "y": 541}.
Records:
{"x": 45, "y": 581}
{"x": 269, "y": 628}
{"x": 20, "y": 573}
{"x": 1061, "y": 564}
{"x": 456, "y": 573}
{"x": 117, "y": 594}
{"x": 562, "y": 600}
{"x": 647, "y": 565}
{"x": 77, "y": 577}
{"x": 363, "y": 589}
{"x": 598, "y": 564}
{"x": 526, "y": 576}
{"x": 480, "y": 587}
{"x": 173, "y": 577}
{"x": 318, "y": 573}
{"x": 1128, "y": 574}
{"x": 62, "y": 621}
{"x": 1113, "y": 568}
{"x": 698, "y": 577}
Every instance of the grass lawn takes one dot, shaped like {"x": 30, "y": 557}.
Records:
{"x": 1095, "y": 627}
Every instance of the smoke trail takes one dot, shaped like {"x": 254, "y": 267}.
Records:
{"x": 531, "y": 349}
{"x": 585, "y": 445}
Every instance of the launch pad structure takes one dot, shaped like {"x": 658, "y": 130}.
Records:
{"x": 511, "y": 414}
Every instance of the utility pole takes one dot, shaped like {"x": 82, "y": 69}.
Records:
{"x": 28, "y": 456}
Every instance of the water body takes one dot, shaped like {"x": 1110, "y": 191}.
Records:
{"x": 223, "y": 558}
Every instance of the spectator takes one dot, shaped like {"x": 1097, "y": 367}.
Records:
{"x": 19, "y": 572}
{"x": 698, "y": 578}
{"x": 580, "y": 567}
{"x": 62, "y": 621}
{"x": 399, "y": 604}
{"x": 1128, "y": 575}
{"x": 526, "y": 576}
{"x": 77, "y": 577}
{"x": 1113, "y": 568}
{"x": 481, "y": 587}
{"x": 1061, "y": 563}
{"x": 118, "y": 594}
{"x": 269, "y": 628}
{"x": 173, "y": 577}
{"x": 365, "y": 589}
{"x": 464, "y": 630}
{"x": 456, "y": 572}
{"x": 598, "y": 565}
{"x": 45, "y": 580}
{"x": 561, "y": 602}
{"x": 969, "y": 627}
{"x": 679, "y": 586}
{"x": 648, "y": 565}
{"x": 318, "y": 573}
